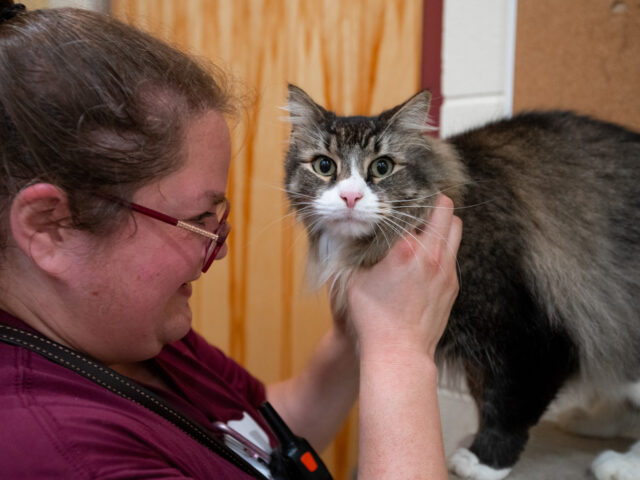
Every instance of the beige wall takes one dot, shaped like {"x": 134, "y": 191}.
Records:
{"x": 579, "y": 54}
{"x": 358, "y": 56}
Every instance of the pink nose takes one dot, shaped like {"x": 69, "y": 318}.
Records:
{"x": 350, "y": 198}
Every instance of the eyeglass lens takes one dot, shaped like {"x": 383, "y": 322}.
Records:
{"x": 222, "y": 230}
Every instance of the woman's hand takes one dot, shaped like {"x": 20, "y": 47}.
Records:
{"x": 399, "y": 309}
{"x": 404, "y": 301}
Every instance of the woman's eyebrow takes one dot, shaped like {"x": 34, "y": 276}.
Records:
{"x": 214, "y": 196}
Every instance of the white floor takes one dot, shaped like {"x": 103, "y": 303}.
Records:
{"x": 551, "y": 454}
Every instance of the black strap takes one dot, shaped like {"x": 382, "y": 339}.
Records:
{"x": 123, "y": 386}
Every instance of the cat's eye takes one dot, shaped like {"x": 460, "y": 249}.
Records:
{"x": 381, "y": 167}
{"x": 324, "y": 166}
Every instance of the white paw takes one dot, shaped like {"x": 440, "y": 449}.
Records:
{"x": 611, "y": 465}
{"x": 466, "y": 465}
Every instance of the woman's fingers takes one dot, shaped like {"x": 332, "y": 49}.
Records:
{"x": 455, "y": 234}
{"x": 440, "y": 234}
{"x": 441, "y": 217}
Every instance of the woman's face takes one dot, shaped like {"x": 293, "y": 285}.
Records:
{"x": 135, "y": 289}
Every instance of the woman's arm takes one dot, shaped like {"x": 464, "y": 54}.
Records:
{"x": 399, "y": 309}
{"x": 316, "y": 402}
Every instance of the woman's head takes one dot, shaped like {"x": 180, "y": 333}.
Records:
{"x": 92, "y": 109}
{"x": 92, "y": 105}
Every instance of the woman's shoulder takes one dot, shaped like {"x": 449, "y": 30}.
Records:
{"x": 82, "y": 430}
{"x": 43, "y": 404}
{"x": 46, "y": 398}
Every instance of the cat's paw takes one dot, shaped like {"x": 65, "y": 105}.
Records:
{"x": 611, "y": 465}
{"x": 466, "y": 465}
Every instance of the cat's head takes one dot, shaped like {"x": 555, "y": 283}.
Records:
{"x": 359, "y": 183}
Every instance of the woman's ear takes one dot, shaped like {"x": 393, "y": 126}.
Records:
{"x": 39, "y": 220}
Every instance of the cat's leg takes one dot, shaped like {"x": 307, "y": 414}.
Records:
{"x": 512, "y": 392}
{"x": 497, "y": 444}
{"x": 621, "y": 418}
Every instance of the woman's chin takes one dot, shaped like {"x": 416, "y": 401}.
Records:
{"x": 178, "y": 325}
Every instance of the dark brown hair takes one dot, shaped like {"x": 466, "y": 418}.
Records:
{"x": 93, "y": 105}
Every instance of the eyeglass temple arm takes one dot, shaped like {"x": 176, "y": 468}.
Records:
{"x": 151, "y": 213}
{"x": 164, "y": 218}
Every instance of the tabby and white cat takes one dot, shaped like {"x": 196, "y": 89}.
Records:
{"x": 550, "y": 254}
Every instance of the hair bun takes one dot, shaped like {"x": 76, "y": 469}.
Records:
{"x": 8, "y": 10}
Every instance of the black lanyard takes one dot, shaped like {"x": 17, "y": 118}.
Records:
{"x": 123, "y": 386}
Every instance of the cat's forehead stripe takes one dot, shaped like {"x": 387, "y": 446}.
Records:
{"x": 332, "y": 144}
{"x": 355, "y": 131}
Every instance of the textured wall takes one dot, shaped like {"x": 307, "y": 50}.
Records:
{"x": 580, "y": 54}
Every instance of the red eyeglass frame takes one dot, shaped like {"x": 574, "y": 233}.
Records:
{"x": 216, "y": 238}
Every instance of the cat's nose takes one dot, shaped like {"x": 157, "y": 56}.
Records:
{"x": 350, "y": 198}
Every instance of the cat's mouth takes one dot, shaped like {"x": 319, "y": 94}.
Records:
{"x": 349, "y": 225}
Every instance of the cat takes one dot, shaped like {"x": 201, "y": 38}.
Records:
{"x": 549, "y": 263}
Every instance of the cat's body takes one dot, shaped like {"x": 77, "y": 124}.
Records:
{"x": 550, "y": 255}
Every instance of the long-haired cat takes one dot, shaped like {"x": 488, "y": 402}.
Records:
{"x": 550, "y": 254}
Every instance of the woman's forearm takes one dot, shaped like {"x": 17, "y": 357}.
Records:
{"x": 316, "y": 402}
{"x": 400, "y": 430}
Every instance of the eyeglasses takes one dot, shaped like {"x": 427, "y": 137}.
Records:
{"x": 216, "y": 237}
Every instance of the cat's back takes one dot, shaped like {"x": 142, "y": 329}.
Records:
{"x": 566, "y": 186}
{"x": 568, "y": 165}
{"x": 554, "y": 140}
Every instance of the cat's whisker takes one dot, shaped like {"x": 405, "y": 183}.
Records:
{"x": 303, "y": 207}
{"x": 398, "y": 232}
{"x": 299, "y": 215}
{"x": 297, "y": 194}
{"x": 408, "y": 215}
{"x": 403, "y": 232}
{"x": 315, "y": 225}
{"x": 300, "y": 236}
{"x": 302, "y": 213}
{"x": 436, "y": 193}
{"x": 434, "y": 207}
{"x": 384, "y": 234}
{"x": 416, "y": 220}
{"x": 301, "y": 203}
{"x": 427, "y": 228}
{"x": 293, "y": 193}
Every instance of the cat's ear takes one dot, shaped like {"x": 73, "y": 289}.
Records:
{"x": 302, "y": 109}
{"x": 412, "y": 114}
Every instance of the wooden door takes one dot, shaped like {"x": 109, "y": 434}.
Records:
{"x": 356, "y": 56}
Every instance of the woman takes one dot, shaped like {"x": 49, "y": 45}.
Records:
{"x": 106, "y": 137}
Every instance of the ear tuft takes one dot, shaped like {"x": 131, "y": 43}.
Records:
{"x": 413, "y": 114}
{"x": 302, "y": 109}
